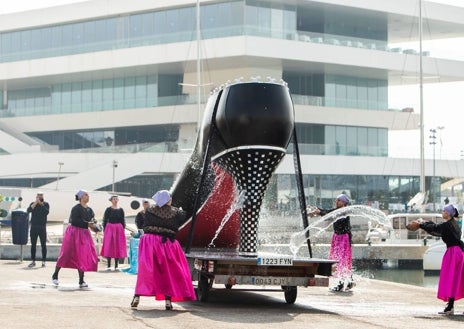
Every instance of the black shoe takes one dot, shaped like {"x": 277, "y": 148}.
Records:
{"x": 350, "y": 285}
{"x": 135, "y": 302}
{"x": 338, "y": 287}
{"x": 43, "y": 264}
{"x": 32, "y": 264}
{"x": 449, "y": 310}
{"x": 168, "y": 305}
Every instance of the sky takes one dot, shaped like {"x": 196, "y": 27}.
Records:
{"x": 442, "y": 104}
{"x": 441, "y": 101}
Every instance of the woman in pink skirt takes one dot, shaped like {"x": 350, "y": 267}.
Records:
{"x": 451, "y": 282}
{"x": 163, "y": 271}
{"x": 78, "y": 248}
{"x": 340, "y": 248}
{"x": 114, "y": 238}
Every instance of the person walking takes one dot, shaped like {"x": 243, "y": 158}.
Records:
{"x": 163, "y": 269}
{"x": 78, "y": 248}
{"x": 340, "y": 247}
{"x": 450, "y": 282}
{"x": 114, "y": 238}
{"x": 39, "y": 210}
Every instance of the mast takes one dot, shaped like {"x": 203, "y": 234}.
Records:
{"x": 421, "y": 104}
{"x": 198, "y": 66}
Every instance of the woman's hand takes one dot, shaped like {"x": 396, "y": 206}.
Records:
{"x": 413, "y": 226}
{"x": 312, "y": 211}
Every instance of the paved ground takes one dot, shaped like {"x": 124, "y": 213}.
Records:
{"x": 28, "y": 300}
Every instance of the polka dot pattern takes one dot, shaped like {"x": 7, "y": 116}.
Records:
{"x": 251, "y": 168}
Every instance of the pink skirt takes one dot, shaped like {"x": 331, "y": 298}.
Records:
{"x": 114, "y": 241}
{"x": 163, "y": 270}
{"x": 78, "y": 250}
{"x": 340, "y": 250}
{"x": 451, "y": 281}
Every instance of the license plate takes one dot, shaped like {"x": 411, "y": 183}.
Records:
{"x": 275, "y": 261}
{"x": 271, "y": 281}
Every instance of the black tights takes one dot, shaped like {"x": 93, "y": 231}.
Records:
{"x": 41, "y": 233}
{"x": 116, "y": 262}
{"x": 57, "y": 270}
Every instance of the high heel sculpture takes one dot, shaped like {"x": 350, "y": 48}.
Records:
{"x": 246, "y": 130}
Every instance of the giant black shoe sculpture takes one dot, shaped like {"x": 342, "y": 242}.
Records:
{"x": 246, "y": 129}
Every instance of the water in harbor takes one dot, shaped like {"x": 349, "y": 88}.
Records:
{"x": 390, "y": 272}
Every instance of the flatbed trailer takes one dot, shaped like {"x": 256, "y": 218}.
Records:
{"x": 276, "y": 273}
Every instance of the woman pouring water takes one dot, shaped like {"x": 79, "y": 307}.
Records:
{"x": 340, "y": 248}
{"x": 450, "y": 283}
{"x": 163, "y": 269}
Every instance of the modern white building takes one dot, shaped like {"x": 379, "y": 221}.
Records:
{"x": 103, "y": 94}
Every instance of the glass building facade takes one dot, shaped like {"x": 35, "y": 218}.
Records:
{"x": 260, "y": 18}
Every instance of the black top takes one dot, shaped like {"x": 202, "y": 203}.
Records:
{"x": 39, "y": 213}
{"x": 140, "y": 219}
{"x": 164, "y": 220}
{"x": 449, "y": 232}
{"x": 81, "y": 216}
{"x": 341, "y": 225}
{"x": 114, "y": 216}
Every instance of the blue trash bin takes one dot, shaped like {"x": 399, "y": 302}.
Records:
{"x": 133, "y": 256}
{"x": 19, "y": 226}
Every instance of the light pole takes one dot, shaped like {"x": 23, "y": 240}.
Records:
{"x": 60, "y": 164}
{"x": 115, "y": 165}
{"x": 433, "y": 141}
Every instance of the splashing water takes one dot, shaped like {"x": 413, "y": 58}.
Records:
{"x": 322, "y": 224}
{"x": 240, "y": 200}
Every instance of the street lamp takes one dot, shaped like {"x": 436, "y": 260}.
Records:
{"x": 115, "y": 165}
{"x": 59, "y": 173}
{"x": 433, "y": 141}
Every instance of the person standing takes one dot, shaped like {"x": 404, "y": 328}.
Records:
{"x": 114, "y": 239}
{"x": 340, "y": 247}
{"x": 39, "y": 210}
{"x": 78, "y": 248}
{"x": 140, "y": 217}
{"x": 135, "y": 239}
{"x": 450, "y": 282}
{"x": 163, "y": 269}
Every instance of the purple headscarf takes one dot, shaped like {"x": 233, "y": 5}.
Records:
{"x": 450, "y": 210}
{"x": 80, "y": 194}
{"x": 161, "y": 197}
{"x": 343, "y": 198}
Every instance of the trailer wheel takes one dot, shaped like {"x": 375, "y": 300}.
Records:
{"x": 290, "y": 293}
{"x": 203, "y": 289}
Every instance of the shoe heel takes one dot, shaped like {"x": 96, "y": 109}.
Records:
{"x": 168, "y": 304}
{"x": 447, "y": 312}
{"x": 135, "y": 302}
